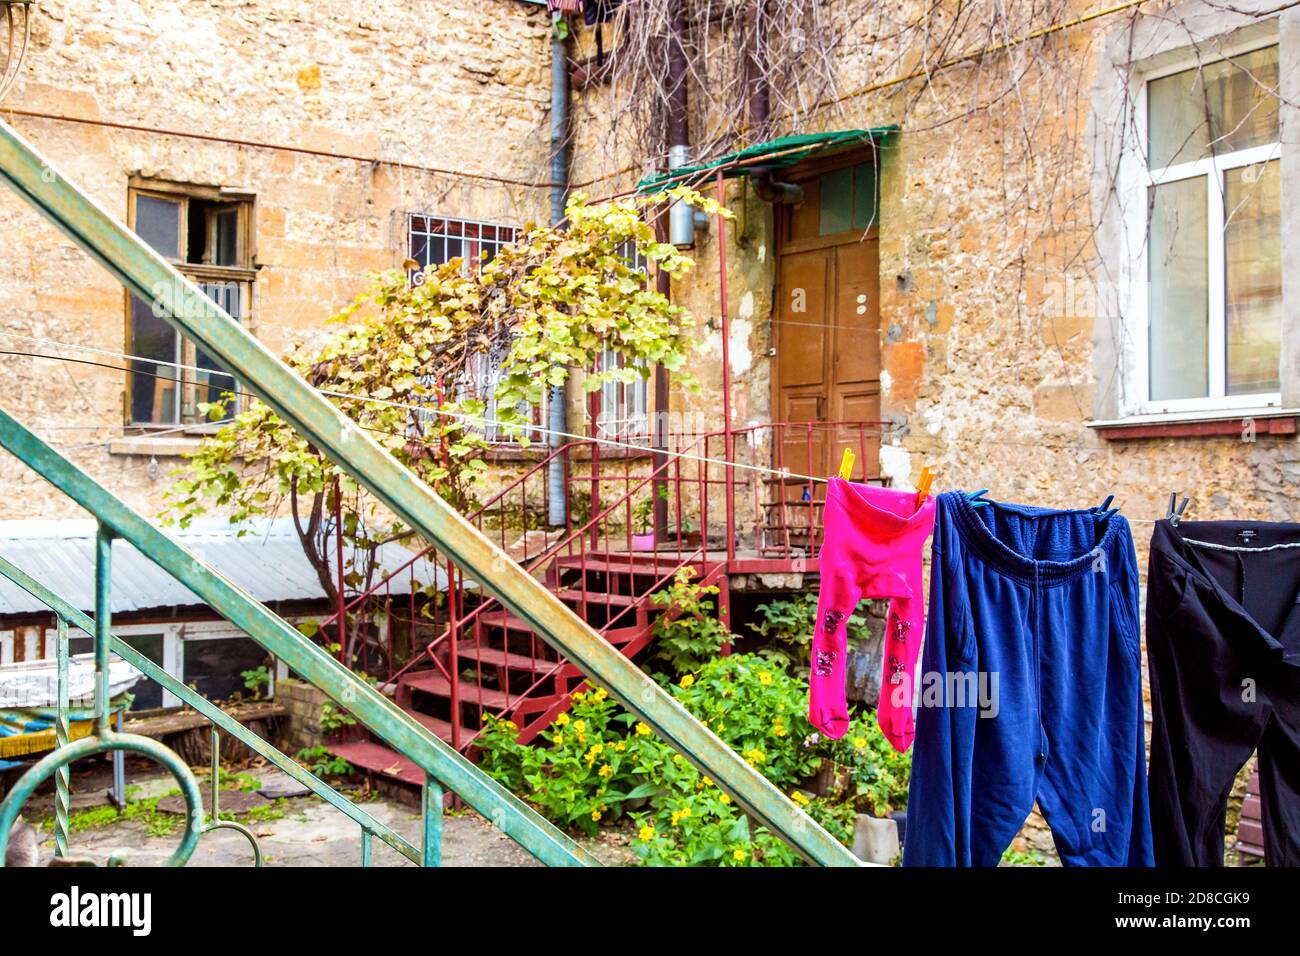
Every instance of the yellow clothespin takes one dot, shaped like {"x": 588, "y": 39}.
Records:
{"x": 923, "y": 485}
{"x": 846, "y": 464}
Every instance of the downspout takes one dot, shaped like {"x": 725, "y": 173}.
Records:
{"x": 558, "y": 419}
{"x": 760, "y": 99}
{"x": 681, "y": 217}
{"x": 679, "y": 230}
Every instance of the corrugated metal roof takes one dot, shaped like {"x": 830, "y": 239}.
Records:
{"x": 267, "y": 562}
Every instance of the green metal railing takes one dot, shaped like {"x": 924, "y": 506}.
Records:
{"x": 66, "y": 615}
{"x": 442, "y": 765}
{"x": 147, "y": 274}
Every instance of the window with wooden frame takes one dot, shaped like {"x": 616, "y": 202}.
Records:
{"x": 1209, "y": 293}
{"x": 206, "y": 233}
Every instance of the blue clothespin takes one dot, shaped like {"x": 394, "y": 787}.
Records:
{"x": 977, "y": 499}
{"x": 1104, "y": 510}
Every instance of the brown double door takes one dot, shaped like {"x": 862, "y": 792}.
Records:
{"x": 828, "y": 354}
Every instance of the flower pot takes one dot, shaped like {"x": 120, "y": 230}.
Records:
{"x": 875, "y": 840}
{"x": 643, "y": 542}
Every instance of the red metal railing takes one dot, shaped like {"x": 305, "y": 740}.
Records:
{"x": 593, "y": 562}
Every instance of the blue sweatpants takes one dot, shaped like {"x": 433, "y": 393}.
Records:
{"x": 1030, "y": 689}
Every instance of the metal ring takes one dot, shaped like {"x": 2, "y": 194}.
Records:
{"x": 238, "y": 828}
{"x": 90, "y": 746}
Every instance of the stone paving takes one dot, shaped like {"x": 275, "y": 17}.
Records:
{"x": 305, "y": 831}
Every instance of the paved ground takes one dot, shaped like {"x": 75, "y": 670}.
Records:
{"x": 292, "y": 831}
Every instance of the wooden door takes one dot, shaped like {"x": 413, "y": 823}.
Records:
{"x": 828, "y": 355}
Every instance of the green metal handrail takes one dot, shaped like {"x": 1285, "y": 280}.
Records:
{"x": 443, "y": 765}
{"x": 67, "y": 614}
{"x": 144, "y": 272}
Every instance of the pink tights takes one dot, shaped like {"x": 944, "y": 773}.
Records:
{"x": 873, "y": 543}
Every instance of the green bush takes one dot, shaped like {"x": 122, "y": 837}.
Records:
{"x": 788, "y": 624}
{"x": 596, "y": 764}
{"x": 688, "y": 634}
{"x": 877, "y": 774}
{"x": 587, "y": 772}
{"x": 758, "y": 709}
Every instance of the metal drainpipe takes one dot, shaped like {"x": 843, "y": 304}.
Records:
{"x": 681, "y": 217}
{"x": 678, "y": 226}
{"x": 558, "y": 419}
{"x": 756, "y": 71}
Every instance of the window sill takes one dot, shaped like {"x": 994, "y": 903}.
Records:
{"x": 1267, "y": 421}
{"x": 162, "y": 446}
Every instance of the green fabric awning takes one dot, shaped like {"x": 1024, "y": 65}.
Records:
{"x": 784, "y": 151}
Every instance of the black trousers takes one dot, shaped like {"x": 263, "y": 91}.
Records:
{"x": 1223, "y": 647}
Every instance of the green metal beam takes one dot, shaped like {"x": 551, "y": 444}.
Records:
{"x": 147, "y": 274}
{"x": 68, "y": 614}
{"x": 373, "y": 709}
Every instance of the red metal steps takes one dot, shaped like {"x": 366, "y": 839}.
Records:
{"x": 495, "y": 657}
{"x": 636, "y": 565}
{"x": 376, "y": 758}
{"x": 593, "y": 598}
{"x": 441, "y": 728}
{"x": 437, "y": 684}
{"x": 500, "y": 673}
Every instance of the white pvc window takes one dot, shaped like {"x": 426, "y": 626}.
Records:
{"x": 1211, "y": 307}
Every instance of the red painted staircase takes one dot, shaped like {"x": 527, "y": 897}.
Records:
{"x": 491, "y": 662}
{"x": 487, "y": 661}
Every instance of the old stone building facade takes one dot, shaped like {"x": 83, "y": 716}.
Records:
{"x": 1014, "y": 263}
{"x": 323, "y": 127}
{"x": 1000, "y": 334}
{"x": 1041, "y": 275}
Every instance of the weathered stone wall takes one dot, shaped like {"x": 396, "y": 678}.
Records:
{"x": 300, "y": 730}
{"x": 436, "y": 86}
{"x": 993, "y": 308}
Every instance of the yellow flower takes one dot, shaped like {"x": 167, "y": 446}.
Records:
{"x": 859, "y": 742}
{"x": 642, "y": 729}
{"x": 595, "y": 814}
{"x": 799, "y": 798}
{"x": 754, "y": 755}
{"x": 688, "y": 680}
{"x": 557, "y": 739}
{"x": 738, "y": 855}
{"x": 725, "y": 798}
{"x": 605, "y": 770}
{"x": 706, "y": 781}
{"x": 509, "y": 725}
{"x": 765, "y": 678}
{"x": 578, "y": 695}
{"x": 620, "y": 746}
{"x": 681, "y": 815}
{"x": 646, "y": 833}
{"x": 778, "y": 728}
{"x": 562, "y": 719}
{"x": 579, "y": 725}
{"x": 599, "y": 694}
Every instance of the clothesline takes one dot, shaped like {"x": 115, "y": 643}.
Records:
{"x": 461, "y": 416}
{"x": 424, "y": 409}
